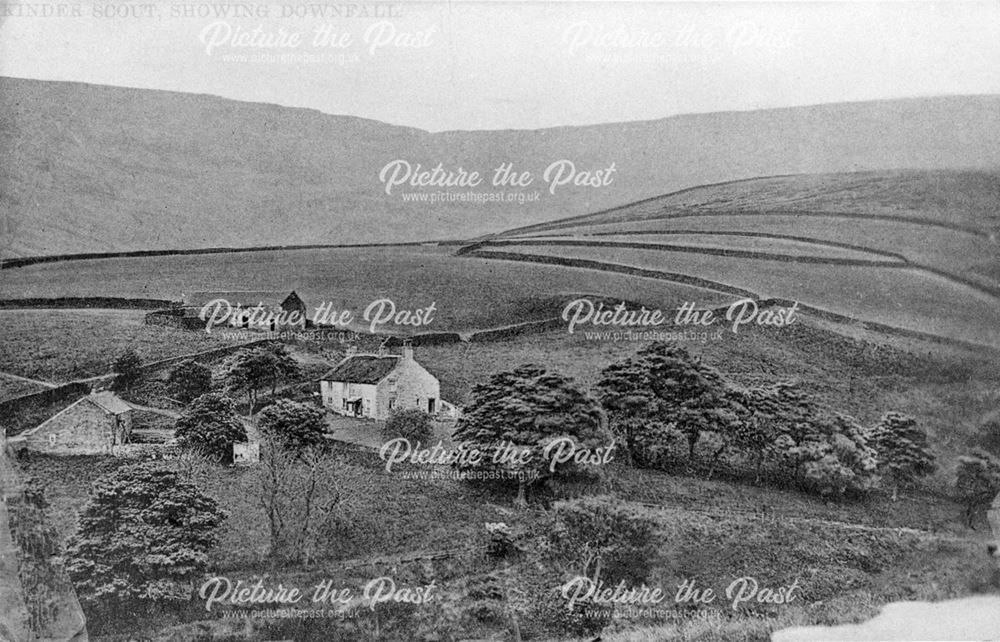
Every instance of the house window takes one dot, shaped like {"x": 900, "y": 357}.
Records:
{"x": 392, "y": 404}
{"x": 430, "y": 406}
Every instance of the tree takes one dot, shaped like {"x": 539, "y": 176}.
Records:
{"x": 128, "y": 367}
{"x": 524, "y": 410}
{"x": 250, "y": 371}
{"x": 412, "y": 424}
{"x": 211, "y": 425}
{"x": 189, "y": 380}
{"x": 143, "y": 537}
{"x": 833, "y": 457}
{"x": 977, "y": 483}
{"x": 600, "y": 541}
{"x": 296, "y": 426}
{"x": 756, "y": 430}
{"x": 665, "y": 386}
{"x": 299, "y": 493}
{"x": 901, "y": 449}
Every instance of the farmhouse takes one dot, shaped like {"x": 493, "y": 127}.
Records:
{"x": 257, "y": 309}
{"x": 373, "y": 385}
{"x": 93, "y": 425}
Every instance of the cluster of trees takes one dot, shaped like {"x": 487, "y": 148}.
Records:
{"x": 666, "y": 409}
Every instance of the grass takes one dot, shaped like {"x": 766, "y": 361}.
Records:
{"x": 896, "y": 297}
{"x": 62, "y": 345}
{"x": 11, "y": 387}
{"x": 468, "y": 293}
{"x": 950, "y": 250}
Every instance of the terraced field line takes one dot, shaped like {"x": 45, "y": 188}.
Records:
{"x": 696, "y": 213}
{"x": 762, "y": 235}
{"x": 710, "y": 251}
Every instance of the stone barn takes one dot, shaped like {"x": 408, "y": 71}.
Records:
{"x": 93, "y": 425}
{"x": 373, "y": 385}
{"x": 275, "y": 305}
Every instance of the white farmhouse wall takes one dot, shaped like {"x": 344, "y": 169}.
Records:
{"x": 409, "y": 385}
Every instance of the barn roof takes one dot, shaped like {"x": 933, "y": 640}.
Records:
{"x": 362, "y": 369}
{"x": 109, "y": 402}
{"x": 245, "y": 298}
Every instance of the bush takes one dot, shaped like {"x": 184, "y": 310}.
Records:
{"x": 211, "y": 426}
{"x": 411, "y": 424}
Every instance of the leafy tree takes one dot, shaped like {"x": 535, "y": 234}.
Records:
{"x": 211, "y": 425}
{"x": 527, "y": 409}
{"x": 756, "y": 430}
{"x": 144, "y": 537}
{"x": 902, "y": 450}
{"x": 252, "y": 370}
{"x": 977, "y": 483}
{"x": 664, "y": 385}
{"x": 834, "y": 458}
{"x": 286, "y": 368}
{"x": 411, "y": 423}
{"x": 128, "y": 367}
{"x": 189, "y": 380}
{"x": 295, "y": 425}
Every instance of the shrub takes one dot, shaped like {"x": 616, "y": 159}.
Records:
{"x": 412, "y": 424}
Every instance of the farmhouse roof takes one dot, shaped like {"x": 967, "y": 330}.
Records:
{"x": 362, "y": 369}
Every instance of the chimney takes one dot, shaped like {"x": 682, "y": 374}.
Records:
{"x": 407, "y": 350}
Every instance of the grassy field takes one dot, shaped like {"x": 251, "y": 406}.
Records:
{"x": 962, "y": 199}
{"x": 903, "y": 298}
{"x": 956, "y": 252}
{"x": 61, "y": 345}
{"x": 11, "y": 387}
{"x": 469, "y": 294}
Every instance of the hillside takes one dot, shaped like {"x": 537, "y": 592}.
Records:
{"x": 97, "y": 169}
{"x": 913, "y": 250}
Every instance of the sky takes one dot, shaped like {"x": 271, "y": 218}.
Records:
{"x": 519, "y": 65}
